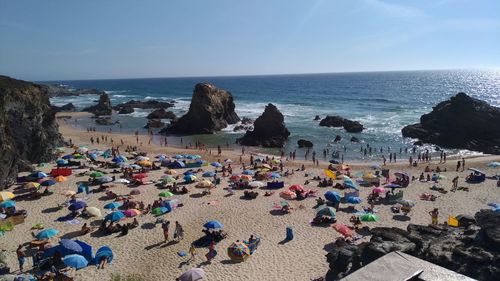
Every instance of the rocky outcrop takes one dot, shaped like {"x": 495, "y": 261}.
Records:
{"x": 269, "y": 130}
{"x": 354, "y": 139}
{"x": 304, "y": 143}
{"x": 103, "y": 106}
{"x": 473, "y": 250}
{"x": 161, "y": 114}
{"x": 338, "y": 138}
{"x": 154, "y": 123}
{"x": 246, "y": 121}
{"x": 149, "y": 104}
{"x": 242, "y": 127}
{"x": 28, "y": 130}
{"x": 63, "y": 91}
{"x": 69, "y": 107}
{"x": 337, "y": 121}
{"x": 211, "y": 110}
{"x": 105, "y": 121}
{"x": 127, "y": 109}
{"x": 317, "y": 118}
{"x": 461, "y": 122}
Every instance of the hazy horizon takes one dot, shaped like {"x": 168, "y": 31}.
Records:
{"x": 60, "y": 40}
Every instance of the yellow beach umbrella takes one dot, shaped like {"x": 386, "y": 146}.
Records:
{"x": 144, "y": 163}
{"x": 330, "y": 174}
{"x": 60, "y": 178}
{"x": 5, "y": 195}
{"x": 170, "y": 172}
{"x": 31, "y": 185}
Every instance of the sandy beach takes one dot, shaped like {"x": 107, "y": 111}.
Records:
{"x": 142, "y": 252}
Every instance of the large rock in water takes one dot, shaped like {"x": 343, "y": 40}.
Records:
{"x": 69, "y": 107}
{"x": 337, "y": 121}
{"x": 461, "y": 122}
{"x": 28, "y": 130}
{"x": 473, "y": 251}
{"x": 103, "y": 107}
{"x": 161, "y": 114}
{"x": 149, "y": 104}
{"x": 269, "y": 130}
{"x": 211, "y": 110}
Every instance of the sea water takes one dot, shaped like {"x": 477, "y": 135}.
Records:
{"x": 384, "y": 102}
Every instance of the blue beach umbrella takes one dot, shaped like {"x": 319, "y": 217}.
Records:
{"x": 213, "y": 225}
{"x": 216, "y": 164}
{"x": 393, "y": 185}
{"x": 104, "y": 179}
{"x": 275, "y": 176}
{"x": 353, "y": 200}
{"x": 61, "y": 162}
{"x": 188, "y": 172}
{"x": 112, "y": 205}
{"x": 7, "y": 204}
{"x": 208, "y": 174}
{"x": 104, "y": 252}
{"x": 69, "y": 156}
{"x": 114, "y": 216}
{"x": 179, "y": 156}
{"x": 332, "y": 196}
{"x": 71, "y": 246}
{"x": 248, "y": 172}
{"x": 75, "y": 261}
{"x": 47, "y": 233}
{"x": 350, "y": 185}
{"x": 189, "y": 178}
{"x": 38, "y": 175}
{"x": 77, "y": 206}
{"x": 48, "y": 182}
{"x": 334, "y": 161}
{"x": 326, "y": 211}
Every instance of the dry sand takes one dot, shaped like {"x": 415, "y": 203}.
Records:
{"x": 141, "y": 251}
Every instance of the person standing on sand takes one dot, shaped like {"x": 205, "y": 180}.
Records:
{"x": 434, "y": 216}
{"x": 410, "y": 160}
{"x": 444, "y": 157}
{"x": 165, "y": 227}
{"x": 192, "y": 252}
{"x": 384, "y": 159}
{"x": 21, "y": 257}
{"x": 463, "y": 164}
{"x": 179, "y": 231}
{"x": 458, "y": 165}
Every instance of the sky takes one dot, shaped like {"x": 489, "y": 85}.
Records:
{"x": 95, "y": 39}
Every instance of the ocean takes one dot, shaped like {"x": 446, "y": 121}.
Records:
{"x": 384, "y": 102}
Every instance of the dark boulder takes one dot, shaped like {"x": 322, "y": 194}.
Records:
{"x": 211, "y": 110}
{"x": 28, "y": 129}
{"x": 337, "y": 138}
{"x": 127, "y": 109}
{"x": 149, "y": 104}
{"x": 353, "y": 126}
{"x": 269, "y": 130}
{"x": 242, "y": 128}
{"x": 473, "y": 251}
{"x": 317, "y": 118}
{"x": 418, "y": 143}
{"x": 337, "y": 121}
{"x": 304, "y": 143}
{"x": 246, "y": 121}
{"x": 355, "y": 140}
{"x": 161, "y": 114}
{"x": 69, "y": 107}
{"x": 103, "y": 106}
{"x": 154, "y": 123}
{"x": 104, "y": 121}
{"x": 461, "y": 122}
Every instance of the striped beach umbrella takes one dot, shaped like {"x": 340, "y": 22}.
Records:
{"x": 238, "y": 251}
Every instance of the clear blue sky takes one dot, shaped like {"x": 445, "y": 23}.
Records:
{"x": 44, "y": 40}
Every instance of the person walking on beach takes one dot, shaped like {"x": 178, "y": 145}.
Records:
{"x": 192, "y": 252}
{"x": 178, "y": 232}
{"x": 455, "y": 183}
{"x": 390, "y": 157}
{"x": 410, "y": 160}
{"x": 384, "y": 159}
{"x": 458, "y": 165}
{"x": 219, "y": 150}
{"x": 434, "y": 216}
{"x": 463, "y": 164}
{"x": 21, "y": 257}
{"x": 165, "y": 227}
{"x": 444, "y": 157}
{"x": 211, "y": 252}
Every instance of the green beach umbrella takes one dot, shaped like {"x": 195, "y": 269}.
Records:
{"x": 159, "y": 211}
{"x": 96, "y": 174}
{"x": 166, "y": 194}
{"x": 369, "y": 217}
{"x": 167, "y": 179}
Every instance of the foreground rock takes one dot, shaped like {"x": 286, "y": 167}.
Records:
{"x": 62, "y": 91}
{"x": 103, "y": 106}
{"x": 473, "y": 251}
{"x": 105, "y": 121}
{"x": 269, "y": 130}
{"x": 125, "y": 109}
{"x": 28, "y": 130}
{"x": 304, "y": 143}
{"x": 337, "y": 121}
{"x": 461, "y": 122}
{"x": 211, "y": 110}
{"x": 69, "y": 107}
{"x": 154, "y": 123}
{"x": 161, "y": 114}
{"x": 149, "y": 104}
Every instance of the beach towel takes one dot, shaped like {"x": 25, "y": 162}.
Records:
{"x": 73, "y": 221}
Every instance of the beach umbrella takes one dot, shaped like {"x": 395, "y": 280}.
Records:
{"x": 334, "y": 161}
{"x": 274, "y": 175}
{"x": 189, "y": 178}
{"x": 216, "y": 164}
{"x": 213, "y": 224}
{"x": 326, "y": 211}
{"x": 38, "y": 175}
{"x": 104, "y": 252}
{"x": 330, "y": 174}
{"x": 393, "y": 185}
{"x": 167, "y": 179}
{"x": 204, "y": 184}
{"x": 144, "y": 163}
{"x": 238, "y": 251}
{"x": 179, "y": 156}
{"x": 6, "y": 195}
{"x": 166, "y": 194}
{"x": 61, "y": 162}
{"x": 350, "y": 185}
{"x": 288, "y": 195}
{"x": 296, "y": 187}
{"x": 343, "y": 229}
{"x": 353, "y": 200}
{"x": 77, "y": 206}
{"x": 141, "y": 158}
{"x": 135, "y": 192}
{"x": 378, "y": 190}
{"x": 248, "y": 172}
{"x": 135, "y": 167}
{"x": 131, "y": 212}
{"x": 122, "y": 181}
{"x": 347, "y": 179}
{"x": 93, "y": 211}
{"x": 104, "y": 179}
{"x": 48, "y": 182}
{"x": 189, "y": 172}
{"x": 369, "y": 217}
{"x": 112, "y": 205}
{"x": 92, "y": 156}
{"x": 31, "y": 185}
{"x": 140, "y": 176}
{"x": 71, "y": 245}
{"x": 82, "y": 150}
{"x": 228, "y": 161}
{"x": 192, "y": 274}
{"x": 441, "y": 177}
{"x": 60, "y": 179}
{"x": 47, "y": 233}
{"x": 494, "y": 164}
{"x": 119, "y": 159}
{"x": 332, "y": 196}
{"x": 114, "y": 216}
{"x": 246, "y": 177}
{"x": 76, "y": 261}
{"x": 208, "y": 174}
{"x": 7, "y": 204}
{"x": 96, "y": 174}
{"x": 159, "y": 211}
{"x": 67, "y": 157}
{"x": 406, "y": 203}
{"x": 235, "y": 178}
{"x": 266, "y": 166}
{"x": 401, "y": 174}
{"x": 256, "y": 184}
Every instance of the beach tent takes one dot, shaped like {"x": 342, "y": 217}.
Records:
{"x": 477, "y": 176}
{"x": 326, "y": 211}
{"x": 176, "y": 165}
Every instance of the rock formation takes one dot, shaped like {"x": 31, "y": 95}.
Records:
{"x": 105, "y": 121}
{"x": 62, "y": 91}
{"x": 28, "y": 130}
{"x": 317, "y": 118}
{"x": 304, "y": 143}
{"x": 127, "y": 109}
{"x": 472, "y": 250}
{"x": 154, "y": 123}
{"x": 461, "y": 122}
{"x": 354, "y": 139}
{"x": 161, "y": 114}
{"x": 103, "y": 107}
{"x": 337, "y": 121}
{"x": 69, "y": 107}
{"x": 149, "y": 104}
{"x": 211, "y": 110}
{"x": 269, "y": 130}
